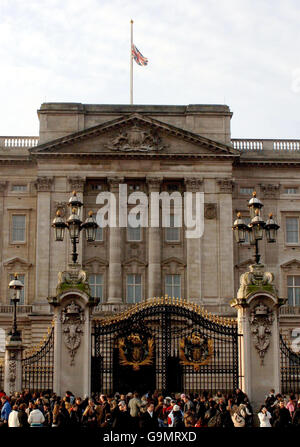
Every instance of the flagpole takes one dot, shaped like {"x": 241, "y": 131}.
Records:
{"x": 131, "y": 62}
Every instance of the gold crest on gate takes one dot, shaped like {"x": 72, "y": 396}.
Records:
{"x": 195, "y": 350}
{"x": 136, "y": 350}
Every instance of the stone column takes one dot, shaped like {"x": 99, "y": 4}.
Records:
{"x": 77, "y": 184}
{"x": 13, "y": 366}
{"x": 154, "y": 246}
{"x": 193, "y": 250}
{"x": 43, "y": 186}
{"x": 258, "y": 305}
{"x": 115, "y": 241}
{"x": 225, "y": 261}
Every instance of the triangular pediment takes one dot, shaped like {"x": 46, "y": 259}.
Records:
{"x": 291, "y": 265}
{"x": 16, "y": 261}
{"x": 135, "y": 134}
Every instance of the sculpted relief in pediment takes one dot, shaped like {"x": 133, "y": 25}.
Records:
{"x": 136, "y": 138}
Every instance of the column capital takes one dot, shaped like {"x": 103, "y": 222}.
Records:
{"x": 154, "y": 183}
{"x": 43, "y": 184}
{"x": 270, "y": 191}
{"x": 114, "y": 182}
{"x": 225, "y": 185}
{"x": 76, "y": 183}
{"x": 193, "y": 184}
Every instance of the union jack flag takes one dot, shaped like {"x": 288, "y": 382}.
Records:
{"x": 138, "y": 57}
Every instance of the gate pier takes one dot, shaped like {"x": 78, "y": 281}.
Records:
{"x": 72, "y": 333}
{"x": 258, "y": 305}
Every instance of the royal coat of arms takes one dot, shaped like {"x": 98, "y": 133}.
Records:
{"x": 136, "y": 139}
{"x": 136, "y": 350}
{"x": 196, "y": 350}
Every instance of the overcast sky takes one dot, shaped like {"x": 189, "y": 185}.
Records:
{"x": 244, "y": 53}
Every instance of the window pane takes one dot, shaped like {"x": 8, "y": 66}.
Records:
{"x": 297, "y": 280}
{"x": 168, "y": 290}
{"x": 133, "y": 234}
{"x": 290, "y": 280}
{"x": 177, "y": 293}
{"x": 18, "y": 228}
{"x": 168, "y": 279}
{"x": 290, "y": 296}
{"x": 292, "y": 230}
{"x": 130, "y": 293}
{"x": 297, "y": 296}
{"x": 96, "y": 285}
{"x": 99, "y": 234}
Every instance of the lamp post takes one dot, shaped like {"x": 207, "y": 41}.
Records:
{"x": 75, "y": 225}
{"x": 256, "y": 228}
{"x": 15, "y": 287}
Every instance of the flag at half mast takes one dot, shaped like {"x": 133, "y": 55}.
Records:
{"x": 138, "y": 57}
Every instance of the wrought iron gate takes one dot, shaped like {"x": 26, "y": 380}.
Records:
{"x": 37, "y": 369}
{"x": 290, "y": 369}
{"x": 167, "y": 344}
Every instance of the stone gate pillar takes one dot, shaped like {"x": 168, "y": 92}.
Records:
{"x": 258, "y": 305}
{"x": 72, "y": 308}
{"x": 13, "y": 365}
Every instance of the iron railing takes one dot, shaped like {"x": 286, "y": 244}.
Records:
{"x": 289, "y": 368}
{"x": 38, "y": 369}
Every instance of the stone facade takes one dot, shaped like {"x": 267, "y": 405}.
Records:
{"x": 93, "y": 148}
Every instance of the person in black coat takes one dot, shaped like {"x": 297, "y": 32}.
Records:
{"x": 281, "y": 416}
{"x": 148, "y": 420}
{"x": 122, "y": 419}
{"x": 296, "y": 416}
{"x": 22, "y": 416}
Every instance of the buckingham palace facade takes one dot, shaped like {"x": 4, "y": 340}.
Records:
{"x": 96, "y": 148}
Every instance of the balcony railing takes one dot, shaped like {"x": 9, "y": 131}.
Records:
{"x": 18, "y": 142}
{"x": 21, "y": 309}
{"x": 290, "y": 310}
{"x": 257, "y": 145}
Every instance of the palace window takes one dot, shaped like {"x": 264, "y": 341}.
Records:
{"x": 133, "y": 234}
{"x": 19, "y": 188}
{"x": 290, "y": 190}
{"x": 22, "y": 291}
{"x": 134, "y": 288}
{"x": 173, "y": 286}
{"x": 96, "y": 286}
{"x": 293, "y": 288}
{"x": 292, "y": 230}
{"x": 173, "y": 232}
{"x": 18, "y": 228}
{"x": 247, "y": 190}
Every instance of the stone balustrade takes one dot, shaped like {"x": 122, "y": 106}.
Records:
{"x": 257, "y": 145}
{"x": 22, "y": 309}
{"x": 18, "y": 142}
{"x": 289, "y": 310}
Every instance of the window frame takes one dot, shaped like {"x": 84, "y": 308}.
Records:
{"x": 134, "y": 287}
{"x": 290, "y": 216}
{"x": 172, "y": 285}
{"x": 101, "y": 299}
{"x": 293, "y": 287}
{"x": 18, "y": 242}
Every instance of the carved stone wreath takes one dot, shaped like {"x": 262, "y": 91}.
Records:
{"x": 72, "y": 319}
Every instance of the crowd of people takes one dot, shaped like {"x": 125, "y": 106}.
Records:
{"x": 150, "y": 411}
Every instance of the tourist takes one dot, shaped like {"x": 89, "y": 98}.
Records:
{"x": 148, "y": 420}
{"x": 36, "y": 417}
{"x": 13, "y": 420}
{"x": 264, "y": 417}
{"x": 5, "y": 410}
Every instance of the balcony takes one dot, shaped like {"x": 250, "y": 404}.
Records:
{"x": 21, "y": 309}
{"x": 289, "y": 310}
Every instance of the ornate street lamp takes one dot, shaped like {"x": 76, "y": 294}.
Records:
{"x": 256, "y": 227}
{"x": 75, "y": 225}
{"x": 15, "y": 287}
